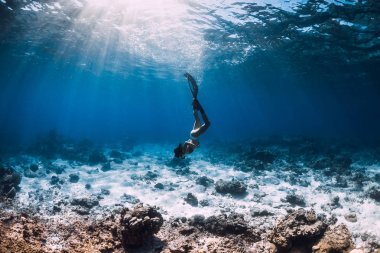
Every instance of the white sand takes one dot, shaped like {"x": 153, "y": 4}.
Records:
{"x": 271, "y": 184}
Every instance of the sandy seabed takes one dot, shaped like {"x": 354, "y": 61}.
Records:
{"x": 71, "y": 205}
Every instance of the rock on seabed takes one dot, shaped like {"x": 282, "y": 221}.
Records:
{"x": 233, "y": 187}
{"x": 336, "y": 239}
{"x": 300, "y": 226}
{"x": 9, "y": 181}
{"x": 139, "y": 225}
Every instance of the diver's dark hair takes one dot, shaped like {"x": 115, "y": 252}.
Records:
{"x": 178, "y": 151}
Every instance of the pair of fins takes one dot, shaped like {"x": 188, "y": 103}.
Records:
{"x": 192, "y": 85}
{"x": 194, "y": 90}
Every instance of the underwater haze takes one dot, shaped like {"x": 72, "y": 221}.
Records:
{"x": 106, "y": 70}
{"x": 95, "y": 95}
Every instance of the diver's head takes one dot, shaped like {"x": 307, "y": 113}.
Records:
{"x": 178, "y": 151}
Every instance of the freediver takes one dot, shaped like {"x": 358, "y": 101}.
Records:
{"x": 190, "y": 145}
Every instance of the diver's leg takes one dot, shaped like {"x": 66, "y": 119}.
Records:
{"x": 197, "y": 121}
{"x": 205, "y": 126}
{"x": 205, "y": 119}
{"x": 200, "y": 130}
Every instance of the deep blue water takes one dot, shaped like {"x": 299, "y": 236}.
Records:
{"x": 111, "y": 71}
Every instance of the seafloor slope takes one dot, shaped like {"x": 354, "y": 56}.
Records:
{"x": 277, "y": 195}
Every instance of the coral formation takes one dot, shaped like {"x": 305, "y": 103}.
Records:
{"x": 9, "y": 181}
{"x": 139, "y": 225}
{"x": 336, "y": 239}
{"x": 233, "y": 187}
{"x": 301, "y": 227}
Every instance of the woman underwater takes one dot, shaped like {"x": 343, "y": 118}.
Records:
{"x": 190, "y": 145}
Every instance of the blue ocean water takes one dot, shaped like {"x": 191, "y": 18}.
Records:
{"x": 112, "y": 70}
{"x": 93, "y": 100}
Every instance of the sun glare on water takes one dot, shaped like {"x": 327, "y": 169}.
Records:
{"x": 146, "y": 31}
